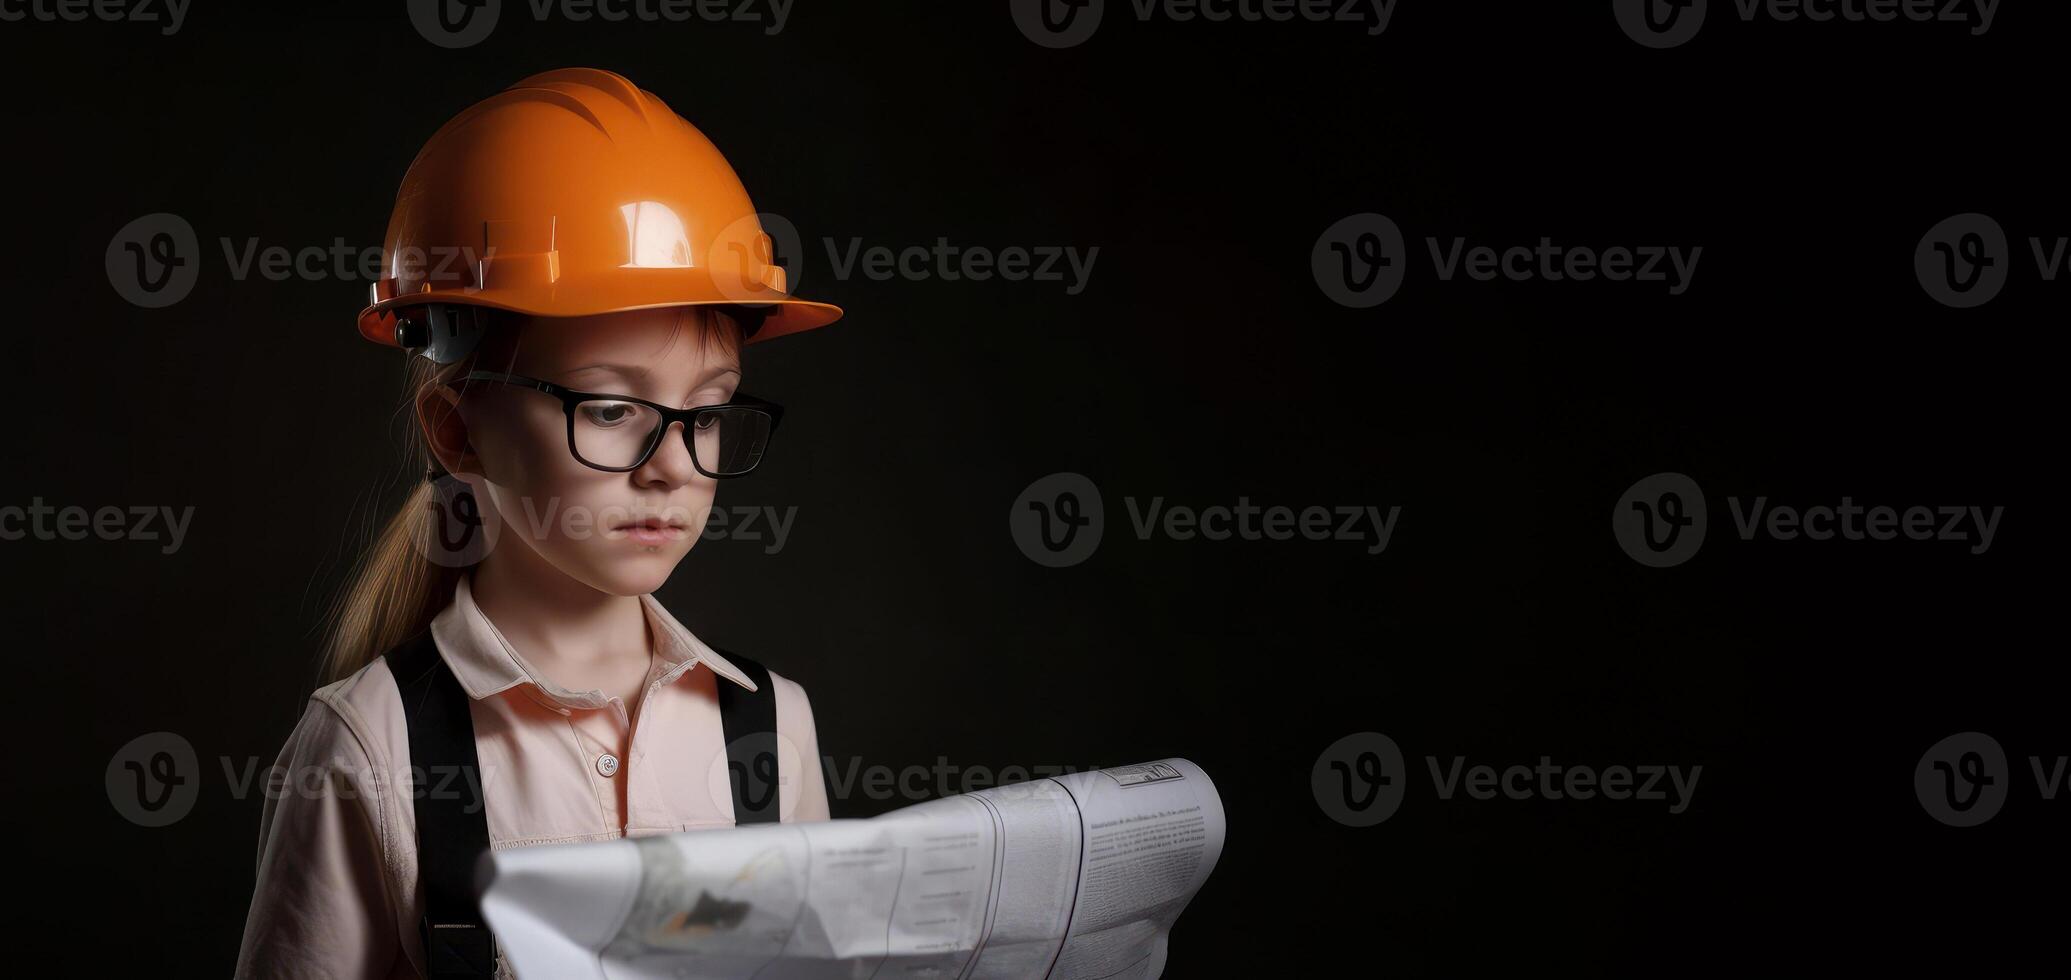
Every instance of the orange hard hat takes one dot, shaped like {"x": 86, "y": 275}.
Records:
{"x": 573, "y": 193}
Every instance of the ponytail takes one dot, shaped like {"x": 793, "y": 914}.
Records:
{"x": 396, "y": 590}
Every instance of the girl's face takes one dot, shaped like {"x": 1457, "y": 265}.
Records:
{"x": 618, "y": 532}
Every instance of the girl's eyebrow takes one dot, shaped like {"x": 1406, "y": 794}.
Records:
{"x": 629, "y": 371}
{"x": 634, "y": 371}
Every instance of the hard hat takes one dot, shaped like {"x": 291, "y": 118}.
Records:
{"x": 572, "y": 193}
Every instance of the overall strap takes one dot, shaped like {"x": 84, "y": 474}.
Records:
{"x": 749, "y": 719}
{"x": 452, "y": 815}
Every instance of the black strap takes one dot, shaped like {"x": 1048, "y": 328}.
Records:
{"x": 749, "y": 720}
{"x": 452, "y": 819}
{"x": 452, "y": 816}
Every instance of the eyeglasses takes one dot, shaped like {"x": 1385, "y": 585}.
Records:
{"x": 617, "y": 433}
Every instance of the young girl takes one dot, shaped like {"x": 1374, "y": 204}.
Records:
{"x": 578, "y": 268}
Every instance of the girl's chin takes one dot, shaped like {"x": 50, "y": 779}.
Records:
{"x": 630, "y": 571}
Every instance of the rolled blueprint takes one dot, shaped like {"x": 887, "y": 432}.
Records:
{"x": 1069, "y": 878}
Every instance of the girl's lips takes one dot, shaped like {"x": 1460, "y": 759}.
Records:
{"x": 652, "y": 531}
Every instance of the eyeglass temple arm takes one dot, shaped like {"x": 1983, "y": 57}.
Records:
{"x": 515, "y": 379}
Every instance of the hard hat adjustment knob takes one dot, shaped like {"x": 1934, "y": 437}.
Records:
{"x": 411, "y": 333}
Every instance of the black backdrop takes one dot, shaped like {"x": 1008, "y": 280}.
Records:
{"x": 1201, "y": 363}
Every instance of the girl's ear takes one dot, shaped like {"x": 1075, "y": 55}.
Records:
{"x": 445, "y": 431}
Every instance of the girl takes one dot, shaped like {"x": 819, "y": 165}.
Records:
{"x": 578, "y": 268}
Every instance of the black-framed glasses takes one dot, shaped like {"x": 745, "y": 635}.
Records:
{"x": 617, "y": 433}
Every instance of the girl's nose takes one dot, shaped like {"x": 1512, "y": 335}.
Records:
{"x": 671, "y": 465}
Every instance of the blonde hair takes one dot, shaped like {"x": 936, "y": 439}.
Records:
{"x": 396, "y": 590}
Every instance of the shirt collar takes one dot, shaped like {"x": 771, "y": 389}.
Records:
{"x": 485, "y": 663}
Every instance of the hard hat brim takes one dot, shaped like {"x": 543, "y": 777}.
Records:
{"x": 786, "y": 314}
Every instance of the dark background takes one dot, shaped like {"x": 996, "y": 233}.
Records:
{"x": 1202, "y": 363}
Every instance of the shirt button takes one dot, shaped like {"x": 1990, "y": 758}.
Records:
{"x": 607, "y": 765}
